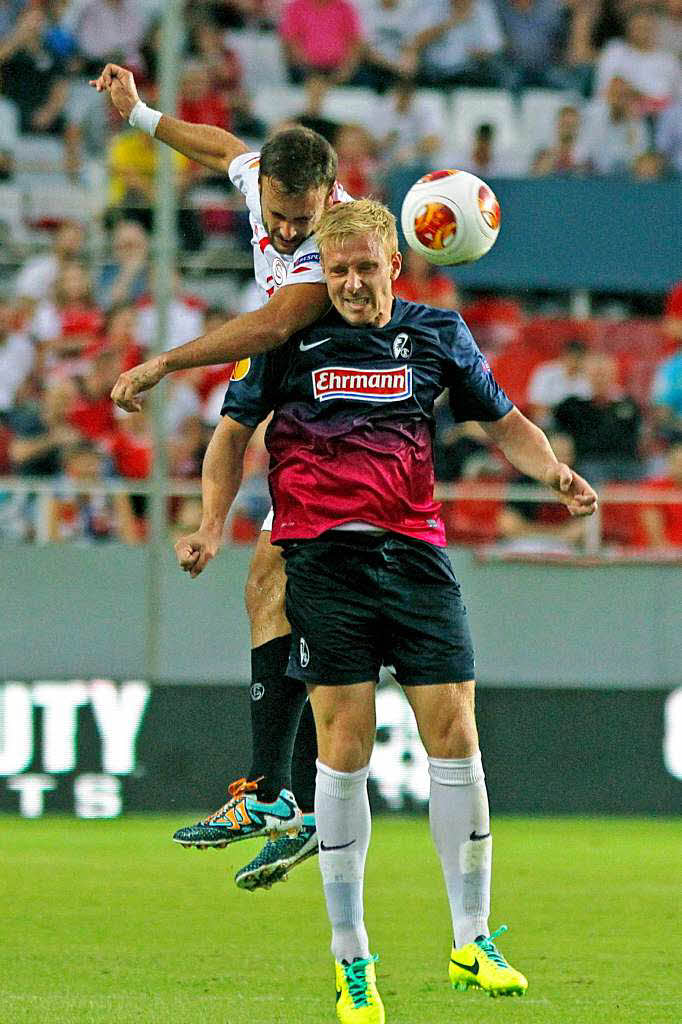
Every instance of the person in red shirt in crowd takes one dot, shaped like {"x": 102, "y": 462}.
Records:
{"x": 662, "y": 524}
{"x": 420, "y": 281}
{"x": 200, "y": 101}
{"x": 68, "y": 327}
{"x": 131, "y": 446}
{"x": 358, "y": 164}
{"x": 322, "y": 37}
{"x": 91, "y": 411}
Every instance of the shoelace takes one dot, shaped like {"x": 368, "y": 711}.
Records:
{"x": 490, "y": 949}
{"x": 236, "y": 789}
{"x": 357, "y": 982}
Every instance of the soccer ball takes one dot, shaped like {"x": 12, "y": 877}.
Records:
{"x": 450, "y": 217}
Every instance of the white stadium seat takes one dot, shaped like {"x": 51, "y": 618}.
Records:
{"x": 274, "y": 104}
{"x": 351, "y": 105}
{"x": 539, "y": 109}
{"x": 472, "y": 107}
{"x": 261, "y": 56}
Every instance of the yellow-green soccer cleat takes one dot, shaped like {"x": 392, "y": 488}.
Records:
{"x": 357, "y": 997}
{"x": 480, "y": 964}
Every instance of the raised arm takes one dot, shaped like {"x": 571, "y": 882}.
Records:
{"x": 528, "y": 449}
{"x": 213, "y": 147}
{"x": 220, "y": 480}
{"x": 289, "y": 310}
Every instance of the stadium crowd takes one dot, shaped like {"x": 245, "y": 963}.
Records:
{"x": 592, "y": 88}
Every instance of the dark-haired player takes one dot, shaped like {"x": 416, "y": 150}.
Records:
{"x": 351, "y": 476}
{"x": 286, "y": 187}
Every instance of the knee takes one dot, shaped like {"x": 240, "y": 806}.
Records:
{"x": 264, "y": 592}
{"x": 344, "y": 743}
{"x": 454, "y": 734}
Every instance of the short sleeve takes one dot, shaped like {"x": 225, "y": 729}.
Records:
{"x": 243, "y": 172}
{"x": 248, "y": 398}
{"x": 306, "y": 266}
{"x": 474, "y": 392}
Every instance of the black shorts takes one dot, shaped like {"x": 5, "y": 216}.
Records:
{"x": 356, "y": 601}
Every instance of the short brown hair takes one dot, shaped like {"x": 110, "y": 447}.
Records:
{"x": 298, "y": 159}
{"x": 359, "y": 217}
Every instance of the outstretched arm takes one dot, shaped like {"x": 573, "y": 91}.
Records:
{"x": 210, "y": 146}
{"x": 528, "y": 449}
{"x": 220, "y": 479}
{"x": 289, "y": 310}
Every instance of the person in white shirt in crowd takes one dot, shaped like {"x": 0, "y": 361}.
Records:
{"x": 461, "y": 44}
{"x": 17, "y": 355}
{"x": 185, "y": 319}
{"x": 389, "y": 29}
{"x": 561, "y": 156}
{"x": 488, "y": 160}
{"x": 669, "y": 136}
{"x": 638, "y": 59}
{"x": 534, "y": 30}
{"x": 410, "y": 130}
{"x": 36, "y": 279}
{"x": 553, "y": 381}
{"x": 613, "y": 132}
{"x": 669, "y": 36}
{"x": 111, "y": 29}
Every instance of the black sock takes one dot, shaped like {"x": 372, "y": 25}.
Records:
{"x": 303, "y": 766}
{"x": 276, "y": 704}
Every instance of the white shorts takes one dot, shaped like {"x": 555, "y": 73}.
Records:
{"x": 267, "y": 522}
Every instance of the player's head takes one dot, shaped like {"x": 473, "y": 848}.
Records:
{"x": 358, "y": 245}
{"x": 297, "y": 175}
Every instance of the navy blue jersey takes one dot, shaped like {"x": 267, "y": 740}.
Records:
{"x": 351, "y": 438}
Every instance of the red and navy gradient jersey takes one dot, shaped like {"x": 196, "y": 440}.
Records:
{"x": 351, "y": 437}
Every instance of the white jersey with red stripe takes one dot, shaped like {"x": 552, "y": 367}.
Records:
{"x": 272, "y": 269}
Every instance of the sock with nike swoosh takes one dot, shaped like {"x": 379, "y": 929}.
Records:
{"x": 460, "y": 826}
{"x": 343, "y": 827}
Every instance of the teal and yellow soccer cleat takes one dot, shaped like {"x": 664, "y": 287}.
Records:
{"x": 357, "y": 997}
{"x": 480, "y": 964}
{"x": 244, "y": 816}
{"x": 278, "y": 857}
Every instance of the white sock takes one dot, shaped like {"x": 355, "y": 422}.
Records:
{"x": 343, "y": 828}
{"x": 458, "y": 813}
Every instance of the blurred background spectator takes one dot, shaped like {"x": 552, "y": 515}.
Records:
{"x": 463, "y": 45}
{"x": 651, "y": 71}
{"x": 558, "y": 379}
{"x": 613, "y": 133}
{"x": 321, "y": 37}
{"x": 127, "y": 278}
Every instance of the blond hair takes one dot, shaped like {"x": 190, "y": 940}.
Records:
{"x": 359, "y": 217}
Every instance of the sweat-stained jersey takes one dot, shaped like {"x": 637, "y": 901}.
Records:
{"x": 351, "y": 438}
{"x": 272, "y": 269}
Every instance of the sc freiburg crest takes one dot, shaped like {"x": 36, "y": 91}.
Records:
{"x": 402, "y": 346}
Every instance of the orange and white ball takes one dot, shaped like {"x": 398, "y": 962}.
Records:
{"x": 450, "y": 217}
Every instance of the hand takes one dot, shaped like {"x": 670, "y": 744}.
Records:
{"x": 120, "y": 84}
{"x": 195, "y": 551}
{"x": 132, "y": 382}
{"x": 574, "y": 492}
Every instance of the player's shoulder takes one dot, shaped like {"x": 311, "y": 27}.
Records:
{"x": 447, "y": 322}
{"x": 243, "y": 171}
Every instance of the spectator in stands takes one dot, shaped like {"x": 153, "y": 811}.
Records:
{"x": 76, "y": 514}
{"x": 185, "y": 318}
{"x": 463, "y": 47}
{"x": 132, "y": 160}
{"x": 358, "y": 164}
{"x": 36, "y": 279}
{"x": 606, "y": 427}
{"x": 119, "y": 336}
{"x": 110, "y": 30}
{"x": 40, "y": 430}
{"x": 221, "y": 61}
{"x": 67, "y": 327}
{"x": 17, "y": 355}
{"x": 33, "y": 76}
{"x": 552, "y": 382}
{"x": 652, "y": 72}
{"x": 669, "y": 136}
{"x": 389, "y": 27}
{"x": 648, "y": 166}
{"x": 186, "y": 449}
{"x": 561, "y": 158}
{"x": 534, "y": 31}
{"x": 127, "y": 279}
{"x": 410, "y": 130}
{"x": 666, "y": 394}
{"x": 199, "y": 101}
{"x": 669, "y": 35}
{"x": 322, "y": 37}
{"x": 485, "y": 158}
{"x": 131, "y": 446}
{"x": 662, "y": 524}
{"x": 420, "y": 281}
{"x": 613, "y": 132}
{"x": 91, "y": 410}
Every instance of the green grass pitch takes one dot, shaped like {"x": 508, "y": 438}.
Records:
{"x": 108, "y": 921}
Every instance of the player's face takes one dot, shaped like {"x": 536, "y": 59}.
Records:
{"x": 290, "y": 219}
{"x": 360, "y": 275}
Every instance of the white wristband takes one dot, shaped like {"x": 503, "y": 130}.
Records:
{"x": 145, "y": 118}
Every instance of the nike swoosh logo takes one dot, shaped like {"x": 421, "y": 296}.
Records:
{"x": 467, "y": 967}
{"x": 313, "y": 344}
{"x": 342, "y": 846}
{"x": 474, "y": 836}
